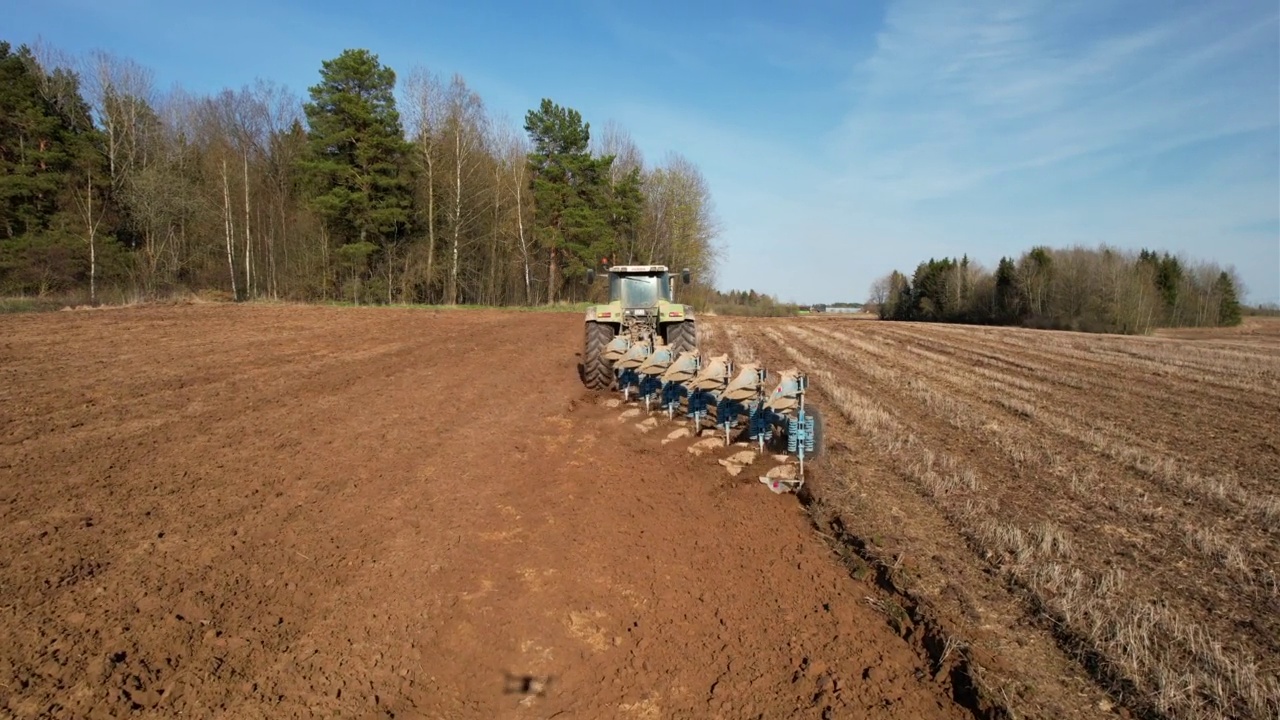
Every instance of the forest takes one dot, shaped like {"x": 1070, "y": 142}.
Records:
{"x": 1100, "y": 289}
{"x": 374, "y": 189}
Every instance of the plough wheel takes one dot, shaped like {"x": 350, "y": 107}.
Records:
{"x": 817, "y": 430}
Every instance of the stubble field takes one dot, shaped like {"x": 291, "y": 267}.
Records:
{"x": 1061, "y": 499}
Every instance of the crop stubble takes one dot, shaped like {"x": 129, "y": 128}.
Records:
{"x": 1123, "y": 488}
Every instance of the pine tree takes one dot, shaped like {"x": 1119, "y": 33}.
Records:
{"x": 573, "y": 206}
{"x": 626, "y": 210}
{"x": 356, "y": 151}
{"x": 48, "y": 163}
{"x": 1168, "y": 279}
{"x": 1008, "y": 295}
{"x": 932, "y": 286}
{"x": 33, "y": 153}
{"x": 901, "y": 300}
{"x": 1229, "y": 311}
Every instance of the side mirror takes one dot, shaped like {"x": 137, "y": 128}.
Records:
{"x": 591, "y": 276}
{"x": 685, "y": 276}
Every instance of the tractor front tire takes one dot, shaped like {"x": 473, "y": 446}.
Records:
{"x": 682, "y": 337}
{"x": 597, "y": 372}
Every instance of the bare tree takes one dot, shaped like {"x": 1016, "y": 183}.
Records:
{"x": 85, "y": 204}
{"x": 424, "y": 119}
{"x": 226, "y": 217}
{"x": 121, "y": 92}
{"x": 679, "y": 226}
{"x": 613, "y": 140}
{"x": 513, "y": 152}
{"x": 248, "y": 238}
{"x": 467, "y": 127}
{"x": 243, "y": 116}
{"x": 1034, "y": 270}
{"x": 283, "y": 144}
{"x": 879, "y": 291}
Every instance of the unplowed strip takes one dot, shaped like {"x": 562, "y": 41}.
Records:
{"x": 1121, "y": 530}
{"x": 867, "y": 482}
{"x": 1103, "y": 497}
{"x": 1064, "y": 382}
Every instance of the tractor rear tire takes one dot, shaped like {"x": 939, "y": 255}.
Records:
{"x": 597, "y": 372}
{"x": 682, "y": 337}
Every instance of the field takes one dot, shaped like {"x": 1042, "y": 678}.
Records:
{"x": 1118, "y": 494}
{"x": 240, "y": 511}
{"x": 277, "y": 511}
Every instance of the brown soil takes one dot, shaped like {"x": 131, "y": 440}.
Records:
{"x": 221, "y": 511}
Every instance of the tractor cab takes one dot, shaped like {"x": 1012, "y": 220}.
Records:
{"x": 639, "y": 287}
{"x": 641, "y": 315}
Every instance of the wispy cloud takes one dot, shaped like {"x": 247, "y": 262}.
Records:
{"x": 986, "y": 126}
{"x": 983, "y": 128}
{"x": 958, "y": 94}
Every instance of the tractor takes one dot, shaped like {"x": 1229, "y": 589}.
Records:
{"x": 641, "y": 312}
{"x": 644, "y": 345}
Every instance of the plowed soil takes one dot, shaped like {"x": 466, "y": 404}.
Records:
{"x": 219, "y": 511}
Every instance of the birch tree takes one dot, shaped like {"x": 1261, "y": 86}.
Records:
{"x": 424, "y": 116}
{"x": 513, "y": 182}
{"x": 465, "y": 129}
{"x": 92, "y": 219}
{"x": 679, "y": 224}
{"x": 228, "y": 229}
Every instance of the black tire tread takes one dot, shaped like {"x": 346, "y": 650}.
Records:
{"x": 597, "y": 372}
{"x": 682, "y": 337}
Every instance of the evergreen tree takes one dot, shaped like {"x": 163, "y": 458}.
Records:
{"x": 932, "y": 289}
{"x": 1229, "y": 312}
{"x": 573, "y": 204}
{"x": 48, "y": 163}
{"x": 1168, "y": 281}
{"x": 900, "y": 304}
{"x": 626, "y": 208}
{"x": 1008, "y": 305}
{"x": 34, "y": 158}
{"x": 355, "y": 161}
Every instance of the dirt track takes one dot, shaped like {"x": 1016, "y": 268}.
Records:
{"x": 280, "y": 511}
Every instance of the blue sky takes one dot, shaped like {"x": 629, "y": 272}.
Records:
{"x": 840, "y": 139}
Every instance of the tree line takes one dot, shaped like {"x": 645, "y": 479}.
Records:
{"x": 1090, "y": 289}
{"x": 372, "y": 190}
{"x": 747, "y": 303}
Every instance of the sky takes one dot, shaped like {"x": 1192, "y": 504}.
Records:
{"x": 841, "y": 139}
